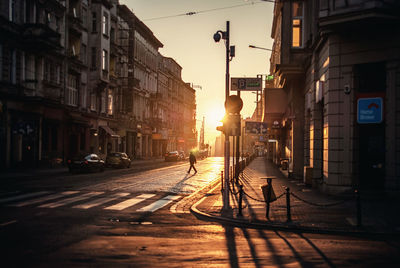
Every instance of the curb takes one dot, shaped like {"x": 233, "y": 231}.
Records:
{"x": 277, "y": 227}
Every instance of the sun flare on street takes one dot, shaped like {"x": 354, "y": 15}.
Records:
{"x": 213, "y": 118}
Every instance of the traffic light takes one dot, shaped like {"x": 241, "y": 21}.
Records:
{"x": 231, "y": 126}
{"x": 221, "y": 128}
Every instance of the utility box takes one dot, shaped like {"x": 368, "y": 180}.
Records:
{"x": 308, "y": 175}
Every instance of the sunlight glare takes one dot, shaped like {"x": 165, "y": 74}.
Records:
{"x": 215, "y": 115}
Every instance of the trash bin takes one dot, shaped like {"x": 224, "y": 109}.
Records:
{"x": 284, "y": 164}
{"x": 265, "y": 189}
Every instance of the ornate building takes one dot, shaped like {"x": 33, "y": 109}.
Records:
{"x": 338, "y": 63}
{"x": 82, "y": 75}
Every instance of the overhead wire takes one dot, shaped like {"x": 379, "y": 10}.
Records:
{"x": 191, "y": 13}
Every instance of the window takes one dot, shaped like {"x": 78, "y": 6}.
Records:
{"x": 11, "y": 10}
{"x": 112, "y": 34}
{"x": 93, "y": 102}
{"x": 84, "y": 18}
{"x": 105, "y": 24}
{"x": 297, "y": 24}
{"x": 58, "y": 74}
{"x": 94, "y": 22}
{"x": 13, "y": 67}
{"x": 110, "y": 104}
{"x": 1, "y": 62}
{"x": 83, "y": 54}
{"x": 103, "y": 103}
{"x": 48, "y": 17}
{"x": 104, "y": 63}
{"x": 93, "y": 58}
{"x": 71, "y": 97}
{"x": 83, "y": 96}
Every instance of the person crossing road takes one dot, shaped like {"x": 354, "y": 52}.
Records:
{"x": 192, "y": 160}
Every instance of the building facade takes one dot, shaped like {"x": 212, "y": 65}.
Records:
{"x": 80, "y": 75}
{"x": 339, "y": 64}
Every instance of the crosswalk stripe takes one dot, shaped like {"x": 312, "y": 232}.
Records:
{"x": 100, "y": 201}
{"x": 23, "y": 196}
{"x": 70, "y": 200}
{"x": 159, "y": 203}
{"x": 43, "y": 199}
{"x": 130, "y": 202}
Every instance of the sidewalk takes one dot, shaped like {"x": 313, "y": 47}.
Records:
{"x": 310, "y": 209}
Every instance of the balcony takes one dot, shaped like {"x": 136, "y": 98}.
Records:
{"x": 75, "y": 25}
{"x": 40, "y": 37}
{"x": 335, "y": 12}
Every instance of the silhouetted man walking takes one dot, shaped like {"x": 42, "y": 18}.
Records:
{"x": 192, "y": 160}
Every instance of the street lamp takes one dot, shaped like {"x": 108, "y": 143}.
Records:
{"x": 230, "y": 53}
{"x": 263, "y": 48}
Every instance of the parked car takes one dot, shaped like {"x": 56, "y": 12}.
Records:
{"x": 172, "y": 156}
{"x": 85, "y": 163}
{"x": 118, "y": 159}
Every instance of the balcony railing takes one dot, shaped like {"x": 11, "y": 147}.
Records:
{"x": 40, "y": 36}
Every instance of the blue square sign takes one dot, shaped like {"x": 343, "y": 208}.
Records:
{"x": 369, "y": 110}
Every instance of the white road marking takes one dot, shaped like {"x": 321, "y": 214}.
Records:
{"x": 70, "y": 200}
{"x": 23, "y": 196}
{"x": 7, "y": 223}
{"x": 130, "y": 202}
{"x": 43, "y": 199}
{"x": 100, "y": 201}
{"x": 159, "y": 203}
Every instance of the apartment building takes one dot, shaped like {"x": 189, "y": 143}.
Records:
{"x": 75, "y": 76}
{"x": 33, "y": 42}
{"x": 338, "y": 62}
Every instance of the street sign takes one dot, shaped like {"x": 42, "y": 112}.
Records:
{"x": 256, "y": 127}
{"x": 246, "y": 84}
{"x": 369, "y": 110}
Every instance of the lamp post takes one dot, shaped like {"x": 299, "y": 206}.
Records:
{"x": 229, "y": 53}
{"x": 263, "y": 48}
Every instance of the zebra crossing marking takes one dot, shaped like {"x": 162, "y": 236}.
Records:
{"x": 130, "y": 202}
{"x": 22, "y": 196}
{"x": 159, "y": 203}
{"x": 70, "y": 200}
{"x": 43, "y": 199}
{"x": 100, "y": 201}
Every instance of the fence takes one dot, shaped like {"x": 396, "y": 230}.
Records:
{"x": 238, "y": 189}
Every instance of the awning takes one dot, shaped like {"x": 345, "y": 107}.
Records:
{"x": 110, "y": 131}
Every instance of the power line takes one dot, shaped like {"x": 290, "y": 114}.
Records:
{"x": 207, "y": 10}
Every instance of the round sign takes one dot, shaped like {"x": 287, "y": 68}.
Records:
{"x": 233, "y": 104}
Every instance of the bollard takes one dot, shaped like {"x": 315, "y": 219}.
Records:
{"x": 240, "y": 200}
{"x": 289, "y": 216}
{"x": 269, "y": 181}
{"x": 222, "y": 181}
{"x": 358, "y": 201}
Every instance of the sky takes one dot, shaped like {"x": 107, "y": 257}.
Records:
{"x": 189, "y": 40}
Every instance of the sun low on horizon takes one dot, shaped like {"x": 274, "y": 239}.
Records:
{"x": 212, "y": 118}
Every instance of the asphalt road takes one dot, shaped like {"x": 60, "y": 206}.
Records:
{"x": 123, "y": 218}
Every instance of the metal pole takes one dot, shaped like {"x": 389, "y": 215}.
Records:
{"x": 240, "y": 200}
{"x": 358, "y": 204}
{"x": 288, "y": 214}
{"x": 269, "y": 181}
{"x": 226, "y": 205}
{"x": 237, "y": 170}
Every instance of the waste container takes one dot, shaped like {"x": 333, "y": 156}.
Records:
{"x": 265, "y": 189}
{"x": 284, "y": 164}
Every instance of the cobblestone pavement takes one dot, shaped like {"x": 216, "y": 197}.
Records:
{"x": 310, "y": 209}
